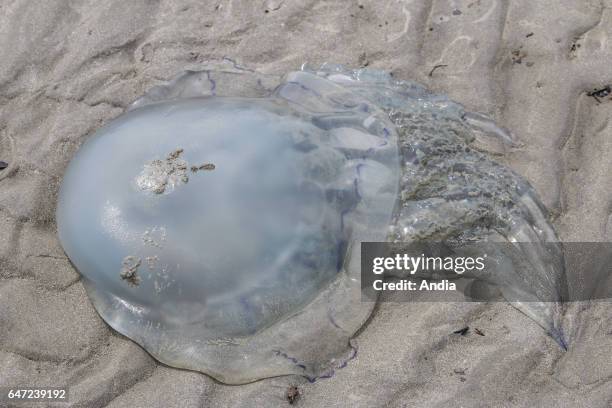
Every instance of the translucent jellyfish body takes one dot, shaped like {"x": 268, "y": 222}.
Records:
{"x": 217, "y": 222}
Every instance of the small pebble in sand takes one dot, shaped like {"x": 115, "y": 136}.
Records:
{"x": 463, "y": 331}
{"x": 518, "y": 55}
{"x": 292, "y": 394}
{"x": 600, "y": 93}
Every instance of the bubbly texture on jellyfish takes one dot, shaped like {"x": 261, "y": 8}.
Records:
{"x": 217, "y": 223}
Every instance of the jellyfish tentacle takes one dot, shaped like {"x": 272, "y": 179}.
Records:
{"x": 450, "y": 189}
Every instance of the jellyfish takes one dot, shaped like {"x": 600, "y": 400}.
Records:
{"x": 218, "y": 221}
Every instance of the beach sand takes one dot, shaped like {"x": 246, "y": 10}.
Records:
{"x": 67, "y": 67}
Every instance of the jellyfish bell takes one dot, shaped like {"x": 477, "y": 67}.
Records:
{"x": 216, "y": 231}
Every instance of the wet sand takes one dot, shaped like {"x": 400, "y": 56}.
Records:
{"x": 70, "y": 66}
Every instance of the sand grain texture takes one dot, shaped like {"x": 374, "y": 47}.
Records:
{"x": 69, "y": 66}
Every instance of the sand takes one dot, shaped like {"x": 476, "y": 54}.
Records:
{"x": 67, "y": 67}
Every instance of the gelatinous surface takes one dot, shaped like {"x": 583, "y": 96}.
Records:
{"x": 217, "y": 223}
{"x": 203, "y": 224}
